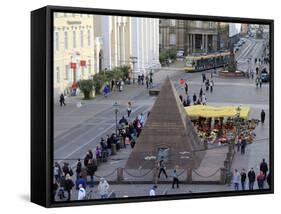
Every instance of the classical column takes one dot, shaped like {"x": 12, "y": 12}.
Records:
{"x": 187, "y": 42}
{"x": 193, "y": 43}
{"x": 206, "y": 42}
{"x": 123, "y": 47}
{"x": 203, "y": 42}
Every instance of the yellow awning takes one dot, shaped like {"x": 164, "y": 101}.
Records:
{"x": 211, "y": 111}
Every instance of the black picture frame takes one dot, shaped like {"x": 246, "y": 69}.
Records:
{"x": 42, "y": 103}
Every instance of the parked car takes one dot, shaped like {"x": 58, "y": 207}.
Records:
{"x": 180, "y": 54}
{"x": 264, "y": 76}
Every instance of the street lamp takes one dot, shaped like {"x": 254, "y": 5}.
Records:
{"x": 116, "y": 105}
{"x": 134, "y": 60}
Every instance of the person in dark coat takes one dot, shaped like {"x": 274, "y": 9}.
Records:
{"x": 252, "y": 178}
{"x": 243, "y": 146}
{"x": 243, "y": 177}
{"x": 194, "y": 98}
{"x": 86, "y": 159}
{"x": 108, "y": 144}
{"x": 186, "y": 88}
{"x": 181, "y": 98}
{"x": 68, "y": 186}
{"x": 62, "y": 100}
{"x": 264, "y": 167}
{"x": 91, "y": 168}
{"x": 262, "y": 116}
{"x": 78, "y": 168}
{"x": 201, "y": 93}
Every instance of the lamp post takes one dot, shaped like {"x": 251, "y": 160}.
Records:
{"x": 116, "y": 105}
{"x": 134, "y": 60}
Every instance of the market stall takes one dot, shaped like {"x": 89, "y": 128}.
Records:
{"x": 216, "y": 124}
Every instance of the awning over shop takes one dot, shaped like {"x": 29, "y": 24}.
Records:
{"x": 211, "y": 111}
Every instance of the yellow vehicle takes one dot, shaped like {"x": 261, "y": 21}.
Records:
{"x": 206, "y": 62}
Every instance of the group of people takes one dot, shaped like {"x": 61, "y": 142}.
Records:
{"x": 64, "y": 181}
{"x": 240, "y": 178}
{"x": 202, "y": 98}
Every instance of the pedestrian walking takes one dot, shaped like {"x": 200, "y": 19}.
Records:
{"x": 201, "y": 93}
{"x": 147, "y": 82}
{"x": 260, "y": 180}
{"x": 207, "y": 83}
{"x": 68, "y": 186}
{"x": 262, "y": 116}
{"x": 264, "y": 167}
{"x": 103, "y": 188}
{"x": 105, "y": 91}
{"x": 204, "y": 99}
{"x": 260, "y": 82}
{"x": 194, "y": 98}
{"x": 129, "y": 109}
{"x": 175, "y": 178}
{"x": 238, "y": 145}
{"x": 62, "y": 100}
{"x": 252, "y": 178}
{"x": 257, "y": 82}
{"x": 151, "y": 82}
{"x": 108, "y": 144}
{"x": 181, "y": 98}
{"x": 78, "y": 168}
{"x": 162, "y": 167}
{"x": 236, "y": 179}
{"x": 142, "y": 79}
{"x": 243, "y": 178}
{"x": 203, "y": 77}
{"x": 186, "y": 88}
{"x": 243, "y": 146}
{"x": 81, "y": 192}
{"x": 211, "y": 85}
{"x": 152, "y": 191}
{"x": 112, "y": 85}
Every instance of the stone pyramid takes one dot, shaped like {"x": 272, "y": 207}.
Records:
{"x": 167, "y": 132}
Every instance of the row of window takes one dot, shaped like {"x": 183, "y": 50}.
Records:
{"x": 57, "y": 15}
{"x": 74, "y": 39}
{"x": 69, "y": 72}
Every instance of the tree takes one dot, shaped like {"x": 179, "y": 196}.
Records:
{"x": 163, "y": 57}
{"x": 86, "y": 86}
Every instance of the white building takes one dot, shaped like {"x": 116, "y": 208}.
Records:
{"x": 144, "y": 45}
{"x": 130, "y": 41}
{"x": 75, "y": 50}
{"x": 115, "y": 31}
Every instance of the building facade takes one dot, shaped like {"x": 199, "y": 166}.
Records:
{"x": 115, "y": 34}
{"x": 190, "y": 36}
{"x": 74, "y": 50}
{"x": 144, "y": 40}
{"x": 223, "y": 36}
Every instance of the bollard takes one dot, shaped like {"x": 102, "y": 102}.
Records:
{"x": 205, "y": 144}
{"x": 223, "y": 176}
{"x": 113, "y": 149}
{"x": 189, "y": 175}
{"x": 120, "y": 176}
{"x": 155, "y": 176}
